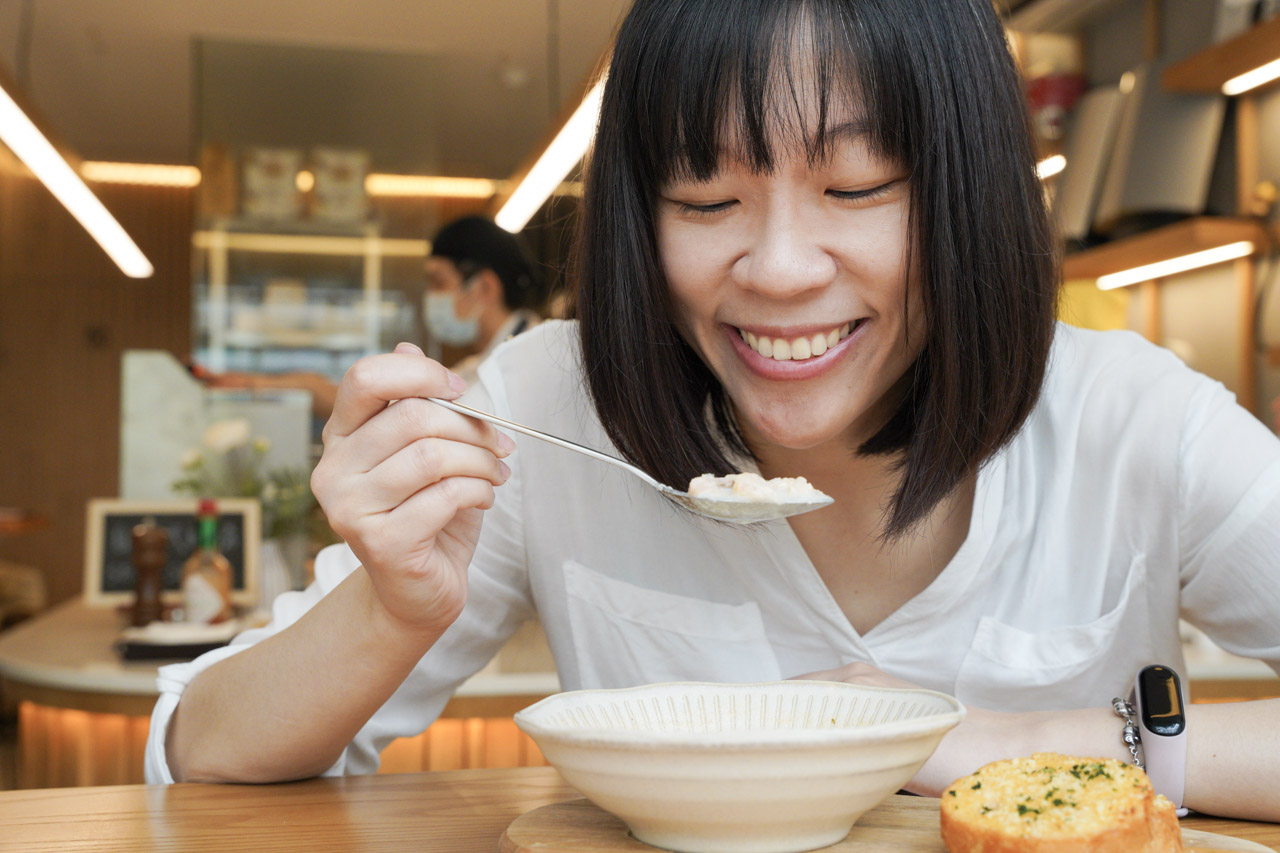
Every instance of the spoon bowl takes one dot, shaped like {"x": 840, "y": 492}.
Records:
{"x": 733, "y": 510}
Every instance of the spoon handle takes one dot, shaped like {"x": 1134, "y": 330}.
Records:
{"x": 533, "y": 433}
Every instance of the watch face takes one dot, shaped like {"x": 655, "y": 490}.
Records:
{"x": 1161, "y": 701}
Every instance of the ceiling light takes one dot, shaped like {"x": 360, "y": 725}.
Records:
{"x": 304, "y": 181}
{"x": 149, "y": 174}
{"x": 30, "y": 146}
{"x": 564, "y": 152}
{"x": 1195, "y": 260}
{"x": 1252, "y": 79}
{"x": 1050, "y": 166}
{"x": 429, "y": 186}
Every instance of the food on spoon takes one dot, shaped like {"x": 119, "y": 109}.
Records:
{"x": 753, "y": 487}
{"x": 1052, "y": 803}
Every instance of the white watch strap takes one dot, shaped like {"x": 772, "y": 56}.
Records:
{"x": 1164, "y": 752}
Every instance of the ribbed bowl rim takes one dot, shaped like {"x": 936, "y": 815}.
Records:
{"x": 533, "y": 720}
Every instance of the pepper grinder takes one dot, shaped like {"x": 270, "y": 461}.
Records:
{"x": 150, "y": 554}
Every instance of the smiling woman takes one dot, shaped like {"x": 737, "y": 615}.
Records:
{"x": 811, "y": 167}
{"x": 813, "y": 246}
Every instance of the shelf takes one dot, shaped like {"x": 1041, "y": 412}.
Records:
{"x": 1056, "y": 16}
{"x": 1171, "y": 241}
{"x": 1207, "y": 70}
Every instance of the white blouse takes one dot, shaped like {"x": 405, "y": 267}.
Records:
{"x": 1137, "y": 492}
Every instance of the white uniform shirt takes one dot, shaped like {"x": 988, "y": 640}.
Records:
{"x": 1138, "y": 491}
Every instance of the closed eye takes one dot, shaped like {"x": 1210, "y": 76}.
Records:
{"x": 704, "y": 209}
{"x": 863, "y": 195}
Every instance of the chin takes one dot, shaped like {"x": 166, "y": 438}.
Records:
{"x": 795, "y": 431}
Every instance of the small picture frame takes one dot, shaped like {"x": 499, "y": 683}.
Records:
{"x": 108, "y": 554}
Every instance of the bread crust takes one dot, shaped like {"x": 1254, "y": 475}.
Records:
{"x": 1051, "y": 803}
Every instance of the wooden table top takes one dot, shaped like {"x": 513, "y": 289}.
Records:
{"x": 458, "y": 811}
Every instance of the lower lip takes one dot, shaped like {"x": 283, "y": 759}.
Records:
{"x": 771, "y": 368}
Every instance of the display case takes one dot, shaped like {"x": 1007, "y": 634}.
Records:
{"x": 309, "y": 298}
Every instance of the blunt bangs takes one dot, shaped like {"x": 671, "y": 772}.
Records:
{"x": 737, "y": 92}
{"x": 934, "y": 87}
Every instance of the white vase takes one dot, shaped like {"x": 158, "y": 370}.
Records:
{"x": 282, "y": 568}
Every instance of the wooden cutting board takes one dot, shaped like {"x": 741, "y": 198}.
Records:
{"x": 899, "y": 823}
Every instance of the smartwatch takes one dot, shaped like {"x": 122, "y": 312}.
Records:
{"x": 1162, "y": 720}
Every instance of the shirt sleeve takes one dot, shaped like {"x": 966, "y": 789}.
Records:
{"x": 498, "y": 602}
{"x": 1229, "y": 525}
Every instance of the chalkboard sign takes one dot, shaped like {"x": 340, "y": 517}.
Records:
{"x": 108, "y": 561}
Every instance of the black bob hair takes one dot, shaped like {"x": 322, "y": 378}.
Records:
{"x": 935, "y": 82}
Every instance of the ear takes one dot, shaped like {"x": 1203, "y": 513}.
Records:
{"x": 488, "y": 287}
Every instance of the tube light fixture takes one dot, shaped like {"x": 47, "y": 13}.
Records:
{"x": 1050, "y": 166}
{"x": 1252, "y": 79}
{"x": 149, "y": 174}
{"x": 32, "y": 148}
{"x": 429, "y": 186}
{"x": 1195, "y": 260}
{"x": 564, "y": 152}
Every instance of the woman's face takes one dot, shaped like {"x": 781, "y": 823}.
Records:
{"x": 793, "y": 287}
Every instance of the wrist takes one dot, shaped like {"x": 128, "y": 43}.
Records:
{"x": 393, "y": 636}
{"x": 984, "y": 736}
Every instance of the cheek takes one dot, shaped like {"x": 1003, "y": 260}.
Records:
{"x": 689, "y": 267}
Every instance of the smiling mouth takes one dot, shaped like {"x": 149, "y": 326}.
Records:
{"x": 798, "y": 348}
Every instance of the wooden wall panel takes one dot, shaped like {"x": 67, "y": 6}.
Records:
{"x": 66, "y": 315}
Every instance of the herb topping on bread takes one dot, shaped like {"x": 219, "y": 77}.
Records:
{"x": 1049, "y": 803}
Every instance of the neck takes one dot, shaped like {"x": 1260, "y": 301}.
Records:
{"x": 492, "y": 319}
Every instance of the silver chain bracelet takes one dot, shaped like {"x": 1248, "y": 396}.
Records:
{"x": 1132, "y": 738}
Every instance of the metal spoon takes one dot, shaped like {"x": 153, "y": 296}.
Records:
{"x": 723, "y": 509}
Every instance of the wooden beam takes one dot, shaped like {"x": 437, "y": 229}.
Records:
{"x": 1247, "y": 393}
{"x": 1248, "y": 136}
{"x": 1151, "y": 30}
{"x": 1149, "y": 293}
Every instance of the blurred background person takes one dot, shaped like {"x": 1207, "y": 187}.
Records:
{"x": 482, "y": 288}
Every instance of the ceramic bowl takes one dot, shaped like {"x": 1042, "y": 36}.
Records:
{"x": 740, "y": 768}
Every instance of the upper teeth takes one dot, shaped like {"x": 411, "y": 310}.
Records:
{"x": 795, "y": 349}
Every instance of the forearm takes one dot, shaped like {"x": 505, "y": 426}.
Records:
{"x": 1233, "y": 751}
{"x": 287, "y": 707}
{"x": 1233, "y": 759}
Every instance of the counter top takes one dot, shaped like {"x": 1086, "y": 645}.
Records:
{"x": 70, "y": 648}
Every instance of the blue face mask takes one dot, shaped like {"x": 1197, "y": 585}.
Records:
{"x": 444, "y": 324}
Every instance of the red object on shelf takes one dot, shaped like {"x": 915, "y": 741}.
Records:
{"x": 1051, "y": 98}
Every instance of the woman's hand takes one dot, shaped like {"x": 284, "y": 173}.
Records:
{"x": 404, "y": 481}
{"x": 1232, "y": 747}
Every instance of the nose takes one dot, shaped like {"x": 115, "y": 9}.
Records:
{"x": 786, "y": 257}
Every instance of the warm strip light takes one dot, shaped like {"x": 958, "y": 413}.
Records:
{"x": 149, "y": 174}
{"x": 311, "y": 244}
{"x": 429, "y": 186}
{"x": 1252, "y": 79}
{"x": 31, "y": 147}
{"x": 564, "y": 152}
{"x": 1195, "y": 260}
{"x": 1050, "y": 166}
